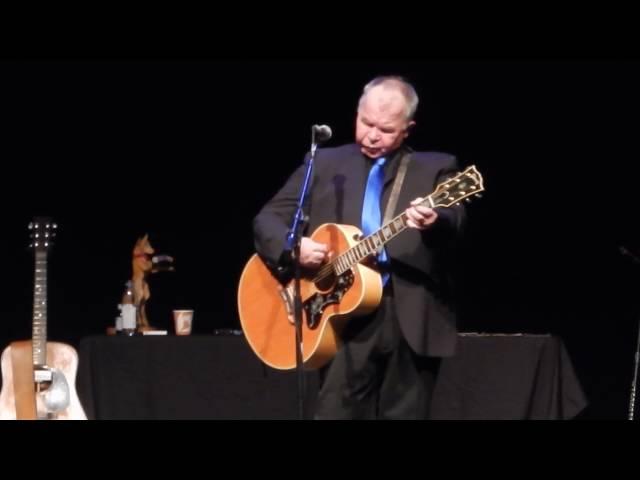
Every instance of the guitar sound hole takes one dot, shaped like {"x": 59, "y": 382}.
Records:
{"x": 42, "y": 386}
{"x": 326, "y": 283}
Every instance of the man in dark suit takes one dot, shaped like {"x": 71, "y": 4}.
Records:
{"x": 387, "y": 365}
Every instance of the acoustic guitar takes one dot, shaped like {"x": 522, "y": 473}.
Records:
{"x": 38, "y": 377}
{"x": 345, "y": 286}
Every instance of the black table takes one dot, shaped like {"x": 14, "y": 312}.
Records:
{"x": 507, "y": 377}
{"x": 219, "y": 377}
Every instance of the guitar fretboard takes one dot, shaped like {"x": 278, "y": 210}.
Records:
{"x": 39, "y": 332}
{"x": 374, "y": 242}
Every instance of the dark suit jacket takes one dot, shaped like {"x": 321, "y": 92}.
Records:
{"x": 419, "y": 268}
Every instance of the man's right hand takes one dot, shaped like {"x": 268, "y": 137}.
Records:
{"x": 312, "y": 254}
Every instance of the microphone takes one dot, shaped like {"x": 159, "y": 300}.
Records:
{"x": 320, "y": 133}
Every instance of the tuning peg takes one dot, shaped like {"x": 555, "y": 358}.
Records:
{"x": 30, "y": 225}
{"x": 478, "y": 195}
{"x": 55, "y": 225}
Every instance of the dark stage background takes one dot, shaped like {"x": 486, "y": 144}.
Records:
{"x": 189, "y": 150}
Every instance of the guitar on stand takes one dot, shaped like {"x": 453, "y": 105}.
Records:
{"x": 38, "y": 377}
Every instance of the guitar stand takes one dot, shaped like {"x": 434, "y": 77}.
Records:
{"x": 632, "y": 400}
{"x": 636, "y": 361}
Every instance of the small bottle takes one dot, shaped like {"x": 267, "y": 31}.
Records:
{"x": 129, "y": 320}
{"x": 128, "y": 311}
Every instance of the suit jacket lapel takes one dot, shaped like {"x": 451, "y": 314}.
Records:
{"x": 356, "y": 172}
{"x": 390, "y": 171}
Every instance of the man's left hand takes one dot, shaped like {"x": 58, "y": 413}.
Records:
{"x": 419, "y": 216}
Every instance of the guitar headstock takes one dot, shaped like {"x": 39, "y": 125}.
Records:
{"x": 463, "y": 186}
{"x": 43, "y": 231}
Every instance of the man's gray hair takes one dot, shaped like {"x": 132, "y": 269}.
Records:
{"x": 397, "y": 83}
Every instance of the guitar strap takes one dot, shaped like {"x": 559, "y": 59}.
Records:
{"x": 397, "y": 184}
{"x": 23, "y": 380}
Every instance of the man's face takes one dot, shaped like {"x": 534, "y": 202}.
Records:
{"x": 381, "y": 125}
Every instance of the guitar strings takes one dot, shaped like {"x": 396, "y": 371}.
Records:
{"x": 327, "y": 270}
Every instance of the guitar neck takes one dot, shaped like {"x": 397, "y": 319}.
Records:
{"x": 372, "y": 243}
{"x": 39, "y": 329}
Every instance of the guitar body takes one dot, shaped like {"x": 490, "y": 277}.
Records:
{"x": 266, "y": 306}
{"x": 56, "y": 398}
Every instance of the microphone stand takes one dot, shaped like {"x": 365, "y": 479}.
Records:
{"x": 291, "y": 256}
{"x": 636, "y": 360}
{"x": 632, "y": 400}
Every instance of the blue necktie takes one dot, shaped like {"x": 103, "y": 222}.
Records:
{"x": 371, "y": 217}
